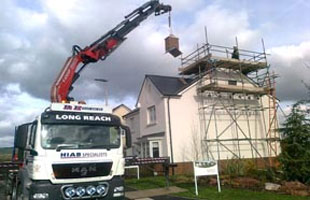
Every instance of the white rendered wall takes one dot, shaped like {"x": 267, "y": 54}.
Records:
{"x": 185, "y": 126}
{"x": 150, "y": 96}
{"x": 187, "y": 133}
{"x": 133, "y": 122}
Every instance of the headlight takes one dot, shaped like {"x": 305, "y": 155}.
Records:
{"x": 70, "y": 192}
{"x": 101, "y": 189}
{"x": 80, "y": 191}
{"x": 40, "y": 196}
{"x": 119, "y": 189}
{"x": 91, "y": 190}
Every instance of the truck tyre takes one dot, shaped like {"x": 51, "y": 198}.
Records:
{"x": 13, "y": 196}
{"x": 14, "y": 190}
{"x": 19, "y": 192}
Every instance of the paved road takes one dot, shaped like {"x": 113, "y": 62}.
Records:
{"x": 2, "y": 195}
{"x": 164, "y": 198}
{"x": 169, "y": 198}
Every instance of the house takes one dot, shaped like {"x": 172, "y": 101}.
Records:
{"x": 215, "y": 113}
{"x": 132, "y": 120}
{"x": 120, "y": 111}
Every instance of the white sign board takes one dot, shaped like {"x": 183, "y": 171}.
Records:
{"x": 75, "y": 107}
{"x": 206, "y": 168}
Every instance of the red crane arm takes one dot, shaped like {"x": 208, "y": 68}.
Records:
{"x": 100, "y": 49}
{"x": 67, "y": 76}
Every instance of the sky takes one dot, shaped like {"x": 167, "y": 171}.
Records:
{"x": 36, "y": 37}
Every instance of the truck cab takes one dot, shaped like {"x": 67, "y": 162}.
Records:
{"x": 71, "y": 151}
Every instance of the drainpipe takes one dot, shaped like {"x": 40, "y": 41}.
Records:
{"x": 170, "y": 134}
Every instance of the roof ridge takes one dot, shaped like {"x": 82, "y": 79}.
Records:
{"x": 176, "y": 77}
{"x": 122, "y": 104}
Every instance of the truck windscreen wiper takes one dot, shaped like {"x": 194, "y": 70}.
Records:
{"x": 88, "y": 144}
{"x": 66, "y": 146}
{"x": 103, "y": 146}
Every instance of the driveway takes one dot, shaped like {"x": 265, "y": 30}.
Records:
{"x": 2, "y": 192}
{"x": 150, "y": 194}
{"x": 166, "y": 197}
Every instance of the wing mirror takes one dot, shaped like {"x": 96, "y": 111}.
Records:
{"x": 127, "y": 136}
{"x": 32, "y": 152}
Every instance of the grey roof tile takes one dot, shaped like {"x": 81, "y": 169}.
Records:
{"x": 169, "y": 86}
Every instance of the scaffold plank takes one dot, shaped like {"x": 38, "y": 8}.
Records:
{"x": 233, "y": 88}
{"x": 209, "y": 61}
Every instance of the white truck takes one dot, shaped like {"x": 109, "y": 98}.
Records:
{"x": 71, "y": 151}
{"x": 75, "y": 151}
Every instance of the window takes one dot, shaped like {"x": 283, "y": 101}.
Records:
{"x": 79, "y": 136}
{"x": 232, "y": 82}
{"x": 32, "y": 134}
{"x": 21, "y": 136}
{"x": 146, "y": 150}
{"x": 141, "y": 154}
{"x": 151, "y": 115}
{"x": 150, "y": 149}
{"x": 155, "y": 149}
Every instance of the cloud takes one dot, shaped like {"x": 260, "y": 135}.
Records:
{"x": 290, "y": 62}
{"x": 6, "y": 141}
{"x": 35, "y": 55}
{"x": 182, "y": 6}
{"x": 34, "y": 50}
{"x": 17, "y": 107}
{"x": 36, "y": 38}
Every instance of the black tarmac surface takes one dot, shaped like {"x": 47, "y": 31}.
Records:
{"x": 2, "y": 195}
{"x": 2, "y": 192}
{"x": 169, "y": 198}
{"x": 166, "y": 197}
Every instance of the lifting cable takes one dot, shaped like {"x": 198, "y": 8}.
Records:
{"x": 169, "y": 23}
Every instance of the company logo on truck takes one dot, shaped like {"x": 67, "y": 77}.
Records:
{"x": 83, "y": 171}
{"x": 82, "y": 108}
{"x": 65, "y": 155}
{"x": 83, "y": 117}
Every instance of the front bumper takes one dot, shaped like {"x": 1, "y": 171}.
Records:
{"x": 40, "y": 189}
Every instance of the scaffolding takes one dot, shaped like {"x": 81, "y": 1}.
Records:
{"x": 237, "y": 102}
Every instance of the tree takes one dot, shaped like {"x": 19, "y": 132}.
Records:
{"x": 295, "y": 155}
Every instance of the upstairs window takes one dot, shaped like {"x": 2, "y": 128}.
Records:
{"x": 151, "y": 115}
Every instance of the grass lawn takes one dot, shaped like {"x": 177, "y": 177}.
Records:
{"x": 5, "y": 157}
{"x": 207, "y": 192}
{"x": 5, "y": 154}
{"x": 147, "y": 183}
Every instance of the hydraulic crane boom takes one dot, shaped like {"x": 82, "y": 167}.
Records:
{"x": 100, "y": 49}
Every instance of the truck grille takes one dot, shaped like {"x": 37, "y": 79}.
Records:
{"x": 81, "y": 170}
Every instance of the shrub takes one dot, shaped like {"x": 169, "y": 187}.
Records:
{"x": 295, "y": 155}
{"x": 234, "y": 167}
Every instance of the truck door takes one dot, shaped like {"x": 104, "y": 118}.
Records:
{"x": 30, "y": 152}
{"x": 20, "y": 142}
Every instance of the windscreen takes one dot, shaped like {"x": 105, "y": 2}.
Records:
{"x": 58, "y": 136}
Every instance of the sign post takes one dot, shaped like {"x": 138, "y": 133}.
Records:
{"x": 206, "y": 168}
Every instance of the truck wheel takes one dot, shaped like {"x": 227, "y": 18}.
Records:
{"x": 14, "y": 192}
{"x": 12, "y": 185}
{"x": 13, "y": 196}
{"x": 19, "y": 192}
